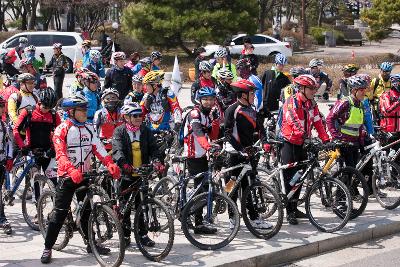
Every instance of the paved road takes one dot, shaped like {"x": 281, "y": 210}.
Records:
{"x": 384, "y": 252}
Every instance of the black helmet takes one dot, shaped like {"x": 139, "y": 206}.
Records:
{"x": 47, "y": 97}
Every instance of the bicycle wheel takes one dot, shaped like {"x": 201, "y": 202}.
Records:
{"x": 225, "y": 222}
{"x": 29, "y": 201}
{"x": 258, "y": 202}
{"x": 150, "y": 219}
{"x": 45, "y": 212}
{"x": 105, "y": 229}
{"x": 324, "y": 200}
{"x": 167, "y": 191}
{"x": 357, "y": 186}
{"x": 386, "y": 187}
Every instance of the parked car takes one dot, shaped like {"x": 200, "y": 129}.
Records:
{"x": 44, "y": 40}
{"x": 264, "y": 45}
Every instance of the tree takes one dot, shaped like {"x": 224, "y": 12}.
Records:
{"x": 90, "y": 14}
{"x": 170, "y": 23}
{"x": 380, "y": 18}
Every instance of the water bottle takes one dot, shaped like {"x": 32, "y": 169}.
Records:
{"x": 296, "y": 177}
{"x": 229, "y": 185}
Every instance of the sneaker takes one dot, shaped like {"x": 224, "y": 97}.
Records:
{"x": 102, "y": 250}
{"x": 260, "y": 224}
{"x": 204, "y": 230}
{"x": 291, "y": 218}
{"x": 300, "y": 214}
{"x": 231, "y": 224}
{"x": 146, "y": 241}
{"x": 6, "y": 226}
{"x": 46, "y": 256}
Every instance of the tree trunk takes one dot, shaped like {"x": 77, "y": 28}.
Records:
{"x": 32, "y": 21}
{"x": 71, "y": 19}
{"x": 185, "y": 48}
{"x": 262, "y": 15}
{"x": 321, "y": 12}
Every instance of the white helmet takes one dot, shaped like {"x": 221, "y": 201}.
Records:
{"x": 94, "y": 54}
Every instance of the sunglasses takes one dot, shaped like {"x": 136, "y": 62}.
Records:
{"x": 136, "y": 115}
{"x": 81, "y": 109}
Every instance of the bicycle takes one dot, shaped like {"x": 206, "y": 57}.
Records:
{"x": 35, "y": 183}
{"x": 186, "y": 205}
{"x": 104, "y": 226}
{"x": 329, "y": 194}
{"x": 148, "y": 215}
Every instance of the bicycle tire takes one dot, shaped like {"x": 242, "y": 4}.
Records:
{"x": 64, "y": 236}
{"x": 331, "y": 200}
{"x": 38, "y": 178}
{"x": 93, "y": 221}
{"x": 393, "y": 182}
{"x": 166, "y": 191}
{"x": 357, "y": 178}
{"x": 155, "y": 227}
{"x": 276, "y": 206}
{"x": 201, "y": 201}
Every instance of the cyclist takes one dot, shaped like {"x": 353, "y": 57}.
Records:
{"x": 95, "y": 64}
{"x": 252, "y": 58}
{"x": 6, "y": 155}
{"x": 273, "y": 80}
{"x": 133, "y": 144}
{"x": 22, "y": 99}
{"x": 30, "y": 53}
{"x": 6, "y": 93}
{"x": 59, "y": 64}
{"x": 86, "y": 47}
{"x": 202, "y": 125}
{"x": 137, "y": 93}
{"x": 156, "y": 58}
{"x": 26, "y": 66}
{"x": 160, "y": 103}
{"x": 133, "y": 61}
{"x": 109, "y": 117}
{"x": 222, "y": 63}
{"x": 11, "y": 56}
{"x": 240, "y": 125}
{"x": 199, "y": 53}
{"x": 292, "y": 88}
{"x": 74, "y": 142}
{"x": 119, "y": 76}
{"x": 205, "y": 80}
{"x": 321, "y": 77}
{"x": 348, "y": 71}
{"x": 225, "y": 94}
{"x": 77, "y": 85}
{"x": 300, "y": 115}
{"x": 243, "y": 67}
{"x": 91, "y": 93}
{"x": 145, "y": 66}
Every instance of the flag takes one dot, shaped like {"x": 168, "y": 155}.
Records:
{"x": 113, "y": 47}
{"x": 74, "y": 63}
{"x": 176, "y": 81}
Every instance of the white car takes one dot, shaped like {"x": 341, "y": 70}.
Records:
{"x": 264, "y": 45}
{"x": 44, "y": 40}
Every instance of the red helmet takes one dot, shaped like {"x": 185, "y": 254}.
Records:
{"x": 243, "y": 86}
{"x": 306, "y": 80}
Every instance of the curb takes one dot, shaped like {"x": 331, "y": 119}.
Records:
{"x": 289, "y": 255}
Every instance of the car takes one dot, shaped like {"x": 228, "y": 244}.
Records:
{"x": 264, "y": 45}
{"x": 44, "y": 40}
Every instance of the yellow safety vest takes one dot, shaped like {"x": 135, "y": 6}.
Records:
{"x": 355, "y": 121}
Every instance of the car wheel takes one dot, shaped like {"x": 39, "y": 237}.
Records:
{"x": 70, "y": 66}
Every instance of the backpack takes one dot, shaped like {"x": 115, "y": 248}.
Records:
{"x": 270, "y": 78}
{"x": 27, "y": 120}
{"x": 19, "y": 99}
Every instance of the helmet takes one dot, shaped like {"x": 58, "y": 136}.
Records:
{"x": 80, "y": 72}
{"x": 395, "y": 80}
{"x": 131, "y": 109}
{"x": 281, "y": 59}
{"x": 30, "y": 48}
{"x": 243, "y": 63}
{"x": 118, "y": 56}
{"x": 86, "y": 43}
{"x": 315, "y": 62}
{"x": 90, "y": 76}
{"x": 386, "y": 66}
{"x": 225, "y": 74}
{"x": 297, "y": 71}
{"x": 57, "y": 45}
{"x": 243, "y": 86}
{"x": 206, "y": 91}
{"x": 356, "y": 82}
{"x": 137, "y": 79}
{"x": 24, "y": 77}
{"x": 350, "y": 68}
{"x": 109, "y": 91}
{"x": 23, "y": 40}
{"x": 145, "y": 62}
{"x": 205, "y": 66}
{"x": 94, "y": 54}
{"x": 24, "y": 62}
{"x": 365, "y": 77}
{"x": 306, "y": 80}
{"x": 2, "y": 101}
{"x": 199, "y": 50}
{"x": 221, "y": 53}
{"x": 155, "y": 55}
{"x": 75, "y": 101}
{"x": 154, "y": 77}
{"x": 48, "y": 97}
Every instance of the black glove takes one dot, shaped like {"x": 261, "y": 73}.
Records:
{"x": 177, "y": 127}
{"x": 41, "y": 55}
{"x": 215, "y": 114}
{"x": 325, "y": 96}
{"x": 25, "y": 151}
{"x": 51, "y": 153}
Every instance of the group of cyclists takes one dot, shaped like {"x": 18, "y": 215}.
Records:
{"x": 117, "y": 122}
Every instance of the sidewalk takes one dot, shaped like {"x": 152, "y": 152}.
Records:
{"x": 291, "y": 243}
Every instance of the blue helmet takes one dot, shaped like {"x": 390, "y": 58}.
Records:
{"x": 206, "y": 91}
{"x": 281, "y": 59}
{"x": 386, "y": 66}
{"x": 395, "y": 80}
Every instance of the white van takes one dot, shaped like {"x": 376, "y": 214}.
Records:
{"x": 44, "y": 40}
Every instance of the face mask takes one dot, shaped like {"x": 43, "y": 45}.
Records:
{"x": 245, "y": 73}
{"x": 112, "y": 105}
{"x": 132, "y": 128}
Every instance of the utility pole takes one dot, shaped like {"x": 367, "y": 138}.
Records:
{"x": 303, "y": 22}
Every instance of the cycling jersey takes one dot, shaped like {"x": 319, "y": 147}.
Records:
{"x": 96, "y": 67}
{"x": 75, "y": 145}
{"x": 321, "y": 78}
{"x": 198, "y": 129}
{"x": 258, "y": 100}
{"x": 119, "y": 79}
{"x": 225, "y": 95}
{"x": 378, "y": 87}
{"x": 162, "y": 109}
{"x": 75, "y": 87}
{"x": 199, "y": 83}
{"x": 6, "y": 93}
{"x": 231, "y": 67}
{"x": 19, "y": 101}
{"x": 94, "y": 102}
{"x": 134, "y": 97}
{"x": 390, "y": 111}
{"x": 106, "y": 122}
